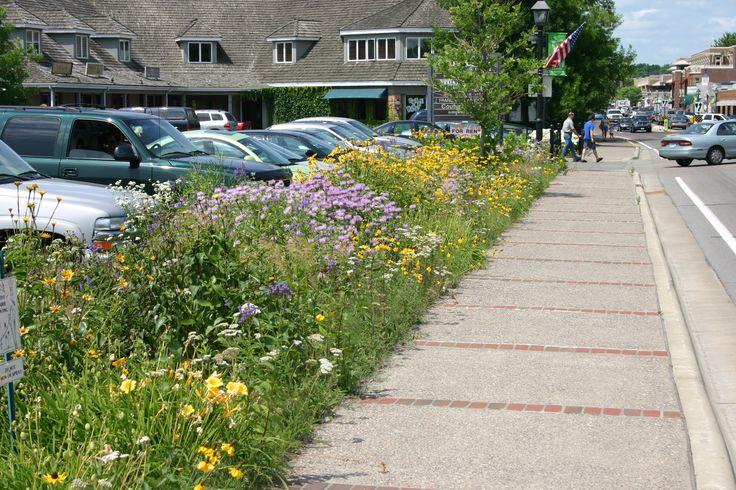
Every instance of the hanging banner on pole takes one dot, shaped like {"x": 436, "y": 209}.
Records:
{"x": 554, "y": 39}
{"x": 9, "y": 321}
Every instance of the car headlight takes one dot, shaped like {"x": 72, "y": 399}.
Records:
{"x": 107, "y": 228}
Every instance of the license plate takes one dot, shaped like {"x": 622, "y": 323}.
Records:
{"x": 672, "y": 144}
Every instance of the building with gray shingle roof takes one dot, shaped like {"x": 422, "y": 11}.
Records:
{"x": 183, "y": 52}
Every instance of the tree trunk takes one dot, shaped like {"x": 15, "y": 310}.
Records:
{"x": 482, "y": 145}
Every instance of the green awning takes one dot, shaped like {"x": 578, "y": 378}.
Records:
{"x": 356, "y": 93}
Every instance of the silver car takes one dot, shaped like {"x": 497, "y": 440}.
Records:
{"x": 712, "y": 141}
{"x": 55, "y": 207}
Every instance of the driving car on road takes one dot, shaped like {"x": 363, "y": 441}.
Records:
{"x": 60, "y": 208}
{"x": 679, "y": 121}
{"x": 709, "y": 141}
{"x": 625, "y": 124}
{"x": 642, "y": 123}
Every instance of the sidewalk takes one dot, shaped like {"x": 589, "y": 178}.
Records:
{"x": 548, "y": 369}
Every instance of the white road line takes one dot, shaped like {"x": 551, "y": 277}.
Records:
{"x": 712, "y": 218}
{"x": 645, "y": 145}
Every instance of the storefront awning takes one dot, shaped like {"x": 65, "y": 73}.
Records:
{"x": 356, "y": 93}
{"x": 726, "y": 103}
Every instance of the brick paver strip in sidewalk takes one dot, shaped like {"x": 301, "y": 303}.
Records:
{"x": 547, "y": 308}
{"x": 542, "y": 348}
{"x": 525, "y": 407}
{"x": 342, "y": 486}
{"x": 570, "y": 261}
{"x": 632, "y": 213}
{"x": 589, "y": 220}
{"x": 559, "y": 281}
{"x": 529, "y": 242}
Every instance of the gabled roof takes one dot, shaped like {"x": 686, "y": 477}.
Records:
{"x": 197, "y": 29}
{"x": 17, "y": 15}
{"x": 105, "y": 25}
{"x": 61, "y": 19}
{"x": 298, "y": 29}
{"x": 404, "y": 15}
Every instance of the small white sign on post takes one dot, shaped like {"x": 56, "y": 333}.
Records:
{"x": 9, "y": 320}
{"x": 11, "y": 371}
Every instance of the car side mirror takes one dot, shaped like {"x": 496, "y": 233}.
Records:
{"x": 125, "y": 152}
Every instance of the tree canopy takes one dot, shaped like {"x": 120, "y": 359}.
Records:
{"x": 12, "y": 68}
{"x": 631, "y": 93}
{"x": 645, "y": 69}
{"x": 727, "y": 40}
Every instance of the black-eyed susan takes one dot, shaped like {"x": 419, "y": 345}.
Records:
{"x": 236, "y": 473}
{"x": 54, "y": 478}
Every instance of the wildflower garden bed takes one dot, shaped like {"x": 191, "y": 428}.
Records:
{"x": 201, "y": 351}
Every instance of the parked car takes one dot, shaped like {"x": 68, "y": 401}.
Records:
{"x": 86, "y": 212}
{"x": 642, "y": 123}
{"x": 625, "y": 124}
{"x": 214, "y": 119}
{"x": 365, "y": 134}
{"x": 182, "y": 118}
{"x": 420, "y": 115}
{"x": 714, "y": 117}
{"x": 304, "y": 144}
{"x": 614, "y": 114}
{"x": 109, "y": 146}
{"x": 712, "y": 141}
{"x": 406, "y": 128}
{"x": 679, "y": 121}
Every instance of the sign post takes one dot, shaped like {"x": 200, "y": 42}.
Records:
{"x": 12, "y": 369}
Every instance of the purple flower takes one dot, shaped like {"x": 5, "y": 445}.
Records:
{"x": 246, "y": 311}
{"x": 279, "y": 288}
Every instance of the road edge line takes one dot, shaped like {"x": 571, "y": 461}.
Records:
{"x": 710, "y": 458}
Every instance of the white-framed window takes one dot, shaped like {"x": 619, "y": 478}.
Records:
{"x": 124, "y": 50}
{"x": 201, "y": 52}
{"x": 33, "y": 40}
{"x": 284, "y": 53}
{"x": 361, "y": 49}
{"x": 417, "y": 48}
{"x": 81, "y": 46}
{"x": 386, "y": 49}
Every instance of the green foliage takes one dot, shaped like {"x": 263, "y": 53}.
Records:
{"x": 727, "y": 40}
{"x": 12, "y": 65}
{"x": 645, "y": 69}
{"x": 289, "y": 103}
{"x": 487, "y": 59}
{"x": 630, "y": 92}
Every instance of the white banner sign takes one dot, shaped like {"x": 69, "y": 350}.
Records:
{"x": 9, "y": 321}
{"x": 11, "y": 371}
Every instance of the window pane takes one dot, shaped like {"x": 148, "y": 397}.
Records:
{"x": 193, "y": 52}
{"x": 371, "y": 49}
{"x": 391, "y": 49}
{"x": 361, "y": 49}
{"x": 32, "y": 136}
{"x": 206, "y": 53}
{"x": 352, "y": 50}
{"x": 289, "y": 57}
{"x": 412, "y": 48}
{"x": 381, "y": 49}
{"x": 94, "y": 139}
{"x": 424, "y": 47}
{"x": 279, "y": 52}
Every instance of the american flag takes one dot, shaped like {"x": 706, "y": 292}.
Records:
{"x": 561, "y": 51}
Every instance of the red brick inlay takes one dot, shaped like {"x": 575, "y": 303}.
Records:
{"x": 527, "y": 407}
{"x": 540, "y": 348}
{"x": 569, "y": 261}
{"x": 559, "y": 281}
{"x": 589, "y": 220}
{"x": 343, "y": 486}
{"x": 529, "y": 242}
{"x": 548, "y": 308}
{"x": 583, "y": 212}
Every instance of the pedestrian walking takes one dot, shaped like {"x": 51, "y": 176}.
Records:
{"x": 604, "y": 128}
{"x": 589, "y": 139}
{"x": 568, "y": 129}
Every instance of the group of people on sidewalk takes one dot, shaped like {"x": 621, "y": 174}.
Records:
{"x": 568, "y": 129}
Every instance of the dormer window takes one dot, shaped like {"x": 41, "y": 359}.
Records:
{"x": 201, "y": 52}
{"x": 361, "y": 49}
{"x": 417, "y": 48}
{"x": 81, "y": 46}
{"x": 124, "y": 50}
{"x": 284, "y": 52}
{"x": 33, "y": 40}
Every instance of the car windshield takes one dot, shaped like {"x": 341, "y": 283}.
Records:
{"x": 264, "y": 151}
{"x": 700, "y": 128}
{"x": 362, "y": 128}
{"x": 641, "y": 119}
{"x": 324, "y": 135}
{"x": 162, "y": 139}
{"x": 13, "y": 167}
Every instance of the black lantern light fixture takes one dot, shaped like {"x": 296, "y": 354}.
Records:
{"x": 541, "y": 16}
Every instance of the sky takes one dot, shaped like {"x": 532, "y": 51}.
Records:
{"x": 662, "y": 31}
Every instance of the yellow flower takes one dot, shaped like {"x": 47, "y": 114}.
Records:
{"x": 213, "y": 382}
{"x": 127, "y": 386}
{"x": 122, "y": 227}
{"x": 119, "y": 362}
{"x": 187, "y": 410}
{"x": 236, "y": 388}
{"x": 228, "y": 449}
{"x": 18, "y": 353}
{"x": 44, "y": 235}
{"x": 319, "y": 317}
{"x": 120, "y": 258}
{"x": 123, "y": 282}
{"x": 149, "y": 277}
{"x": 205, "y": 467}
{"x": 54, "y": 478}
{"x": 55, "y": 308}
{"x": 49, "y": 281}
{"x": 23, "y": 330}
{"x": 93, "y": 354}
{"x": 58, "y": 199}
{"x": 236, "y": 473}
{"x": 87, "y": 297}
{"x": 199, "y": 486}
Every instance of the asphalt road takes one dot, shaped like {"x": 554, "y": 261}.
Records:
{"x": 715, "y": 186}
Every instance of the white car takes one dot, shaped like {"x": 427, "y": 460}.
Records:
{"x": 364, "y": 132}
{"x": 712, "y": 117}
{"x": 614, "y": 114}
{"x": 56, "y": 207}
{"x": 214, "y": 119}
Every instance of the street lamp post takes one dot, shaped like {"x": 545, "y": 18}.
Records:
{"x": 541, "y": 15}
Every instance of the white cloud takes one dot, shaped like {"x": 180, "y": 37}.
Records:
{"x": 639, "y": 14}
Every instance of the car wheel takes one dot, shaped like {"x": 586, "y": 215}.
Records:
{"x": 715, "y": 156}
{"x": 684, "y": 162}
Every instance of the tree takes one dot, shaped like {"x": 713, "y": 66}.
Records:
{"x": 12, "y": 65}
{"x": 630, "y": 92}
{"x": 485, "y": 64}
{"x": 727, "y": 40}
{"x": 645, "y": 69}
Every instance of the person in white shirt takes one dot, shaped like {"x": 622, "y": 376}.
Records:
{"x": 568, "y": 129}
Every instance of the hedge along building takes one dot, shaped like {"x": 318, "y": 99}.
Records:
{"x": 367, "y": 59}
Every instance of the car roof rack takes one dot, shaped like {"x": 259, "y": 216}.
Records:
{"x": 39, "y": 108}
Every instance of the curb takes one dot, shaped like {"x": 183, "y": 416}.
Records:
{"x": 710, "y": 458}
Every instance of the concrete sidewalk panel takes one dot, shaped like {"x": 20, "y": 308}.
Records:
{"x": 575, "y": 252}
{"x": 567, "y": 236}
{"x": 562, "y": 225}
{"x": 512, "y": 376}
{"x": 433, "y": 447}
{"x": 581, "y": 271}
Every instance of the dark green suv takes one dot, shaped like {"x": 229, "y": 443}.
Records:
{"x": 110, "y": 146}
